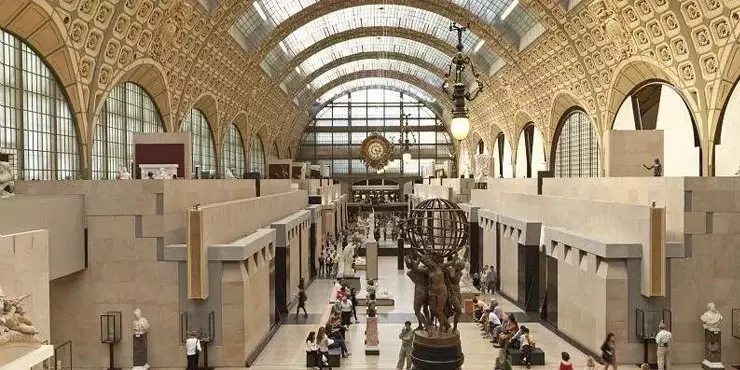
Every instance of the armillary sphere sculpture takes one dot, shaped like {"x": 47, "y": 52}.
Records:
{"x": 437, "y": 230}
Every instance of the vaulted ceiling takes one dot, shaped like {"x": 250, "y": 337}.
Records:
{"x": 268, "y": 64}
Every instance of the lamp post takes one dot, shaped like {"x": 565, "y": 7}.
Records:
{"x": 460, "y": 124}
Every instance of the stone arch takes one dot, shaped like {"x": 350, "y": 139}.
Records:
{"x": 241, "y": 121}
{"x": 150, "y": 76}
{"x": 729, "y": 65}
{"x": 562, "y": 103}
{"x": 556, "y": 137}
{"x": 208, "y": 104}
{"x": 629, "y": 76}
{"x": 43, "y": 30}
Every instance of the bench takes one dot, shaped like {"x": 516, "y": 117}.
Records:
{"x": 335, "y": 358}
{"x": 538, "y": 357}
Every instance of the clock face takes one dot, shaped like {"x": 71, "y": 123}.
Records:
{"x": 375, "y": 150}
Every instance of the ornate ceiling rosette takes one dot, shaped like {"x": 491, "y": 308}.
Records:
{"x": 376, "y": 151}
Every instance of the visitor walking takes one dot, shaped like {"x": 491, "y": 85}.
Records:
{"x": 407, "y": 340}
{"x": 322, "y": 259}
{"x": 346, "y": 307}
{"x": 491, "y": 279}
{"x": 608, "y": 351}
{"x": 192, "y": 350}
{"x": 353, "y": 299}
{"x": 565, "y": 361}
{"x": 663, "y": 340}
{"x": 302, "y": 298}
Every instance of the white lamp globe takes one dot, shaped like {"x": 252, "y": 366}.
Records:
{"x": 406, "y": 156}
{"x": 460, "y": 127}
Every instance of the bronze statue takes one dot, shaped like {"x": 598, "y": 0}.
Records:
{"x": 455, "y": 274}
{"x": 418, "y": 275}
{"x": 438, "y": 291}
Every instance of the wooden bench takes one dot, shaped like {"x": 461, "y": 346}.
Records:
{"x": 335, "y": 358}
{"x": 538, "y": 357}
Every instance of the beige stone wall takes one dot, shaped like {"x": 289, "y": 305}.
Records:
{"x": 516, "y": 185}
{"x": 626, "y": 151}
{"x": 295, "y": 267}
{"x": 63, "y": 216}
{"x": 489, "y": 245}
{"x": 305, "y": 251}
{"x": 24, "y": 269}
{"x": 509, "y": 273}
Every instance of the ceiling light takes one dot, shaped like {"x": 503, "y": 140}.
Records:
{"x": 479, "y": 45}
{"x": 260, "y": 11}
{"x": 509, "y": 9}
{"x": 406, "y": 156}
{"x": 460, "y": 127}
{"x": 282, "y": 46}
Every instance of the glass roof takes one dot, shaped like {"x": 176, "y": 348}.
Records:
{"x": 370, "y": 44}
{"x": 380, "y": 82}
{"x": 400, "y": 16}
{"x": 506, "y": 16}
{"x": 376, "y": 65}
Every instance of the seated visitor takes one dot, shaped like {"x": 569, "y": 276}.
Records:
{"x": 502, "y": 361}
{"x": 565, "y": 361}
{"x": 476, "y": 310}
{"x": 312, "y": 349}
{"x": 476, "y": 281}
{"x": 497, "y": 309}
{"x": 322, "y": 343}
{"x": 510, "y": 329}
{"x": 516, "y": 340}
{"x": 503, "y": 322}
{"x": 337, "y": 339}
{"x": 494, "y": 324}
{"x": 527, "y": 347}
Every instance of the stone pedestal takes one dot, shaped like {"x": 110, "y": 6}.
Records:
{"x": 140, "y": 355}
{"x": 351, "y": 282}
{"x": 371, "y": 258}
{"x": 23, "y": 356}
{"x": 432, "y": 351}
{"x": 371, "y": 336}
{"x": 712, "y": 351}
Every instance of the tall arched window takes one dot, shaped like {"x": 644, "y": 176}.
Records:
{"x": 481, "y": 148}
{"x": 577, "y": 149}
{"x": 275, "y": 152}
{"x": 233, "y": 155}
{"x": 257, "y": 155}
{"x": 530, "y": 153}
{"x": 502, "y": 157}
{"x": 204, "y": 154}
{"x": 127, "y": 110}
{"x": 37, "y": 128}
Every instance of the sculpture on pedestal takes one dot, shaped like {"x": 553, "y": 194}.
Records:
{"x": 437, "y": 232}
{"x": 162, "y": 174}
{"x": 482, "y": 165}
{"x": 140, "y": 326}
{"x": 348, "y": 256}
{"x": 123, "y": 173}
{"x": 7, "y": 185}
{"x": 15, "y": 326}
{"x": 228, "y": 174}
{"x": 711, "y": 321}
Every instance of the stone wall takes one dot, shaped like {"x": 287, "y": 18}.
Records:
{"x": 509, "y": 274}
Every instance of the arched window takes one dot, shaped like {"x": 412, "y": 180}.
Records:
{"x": 502, "y": 157}
{"x": 481, "y": 147}
{"x": 204, "y": 154}
{"x": 233, "y": 155}
{"x": 275, "y": 152}
{"x": 727, "y": 138}
{"x": 127, "y": 110}
{"x": 530, "y": 153}
{"x": 577, "y": 149}
{"x": 37, "y": 129}
{"x": 257, "y": 156}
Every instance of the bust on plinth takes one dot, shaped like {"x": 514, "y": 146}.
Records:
{"x": 711, "y": 321}
{"x": 140, "y": 327}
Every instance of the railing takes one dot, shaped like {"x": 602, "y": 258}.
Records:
{"x": 63, "y": 356}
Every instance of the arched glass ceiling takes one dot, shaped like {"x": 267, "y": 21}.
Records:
{"x": 400, "y": 16}
{"x": 506, "y": 16}
{"x": 382, "y": 82}
{"x": 370, "y": 44}
{"x": 376, "y": 65}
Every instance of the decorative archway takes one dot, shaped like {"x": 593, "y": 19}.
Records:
{"x": 575, "y": 149}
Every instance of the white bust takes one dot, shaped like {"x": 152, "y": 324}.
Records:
{"x": 6, "y": 180}
{"x": 711, "y": 319}
{"x": 161, "y": 174}
{"x": 140, "y": 325}
{"x": 228, "y": 174}
{"x": 123, "y": 173}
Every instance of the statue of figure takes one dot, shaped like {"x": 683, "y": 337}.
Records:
{"x": 657, "y": 168}
{"x": 455, "y": 273}
{"x": 15, "y": 326}
{"x": 141, "y": 324}
{"x": 348, "y": 255}
{"x": 711, "y": 319}
{"x": 482, "y": 165}
{"x": 438, "y": 292}
{"x": 419, "y": 277}
{"x": 7, "y": 185}
{"x": 123, "y": 173}
{"x": 228, "y": 174}
{"x": 371, "y": 225}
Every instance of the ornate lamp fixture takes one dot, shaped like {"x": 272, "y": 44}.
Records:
{"x": 404, "y": 142}
{"x": 460, "y": 124}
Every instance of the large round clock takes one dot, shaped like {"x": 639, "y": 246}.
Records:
{"x": 376, "y": 151}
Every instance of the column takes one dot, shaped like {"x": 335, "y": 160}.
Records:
{"x": 476, "y": 241}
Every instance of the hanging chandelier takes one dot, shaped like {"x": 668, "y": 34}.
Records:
{"x": 406, "y": 137}
{"x": 460, "y": 124}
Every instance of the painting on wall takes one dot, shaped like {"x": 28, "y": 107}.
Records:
{"x": 278, "y": 171}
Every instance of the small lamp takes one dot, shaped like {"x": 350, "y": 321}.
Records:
{"x": 460, "y": 127}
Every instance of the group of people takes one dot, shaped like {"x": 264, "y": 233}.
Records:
{"x": 333, "y": 333}
{"x": 487, "y": 281}
{"x": 503, "y": 330}
{"x": 329, "y": 256}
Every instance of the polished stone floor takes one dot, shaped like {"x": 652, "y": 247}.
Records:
{"x": 286, "y": 350}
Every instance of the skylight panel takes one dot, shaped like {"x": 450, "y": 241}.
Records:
{"x": 377, "y": 65}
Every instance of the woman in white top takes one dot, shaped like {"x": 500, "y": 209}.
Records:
{"x": 322, "y": 342}
{"x": 192, "y": 349}
{"x": 311, "y": 350}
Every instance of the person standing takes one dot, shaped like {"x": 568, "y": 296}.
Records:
{"x": 346, "y": 307}
{"x": 609, "y": 352}
{"x": 407, "y": 340}
{"x": 302, "y": 298}
{"x": 322, "y": 259}
{"x": 663, "y": 340}
{"x": 491, "y": 280}
{"x": 192, "y": 350}
{"x": 353, "y": 299}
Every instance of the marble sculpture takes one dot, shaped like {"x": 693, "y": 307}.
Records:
{"x": 123, "y": 173}
{"x": 711, "y": 319}
{"x": 140, "y": 324}
{"x": 7, "y": 185}
{"x": 228, "y": 174}
{"x": 15, "y": 326}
